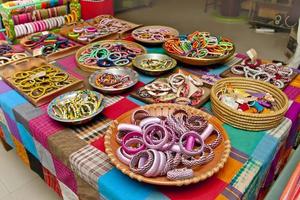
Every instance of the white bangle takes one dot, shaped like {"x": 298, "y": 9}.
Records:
{"x": 17, "y": 32}
{"x": 235, "y": 69}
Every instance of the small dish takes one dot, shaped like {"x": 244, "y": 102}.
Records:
{"x": 120, "y": 73}
{"x": 170, "y": 63}
{"x": 61, "y": 104}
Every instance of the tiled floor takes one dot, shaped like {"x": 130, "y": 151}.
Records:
{"x": 18, "y": 182}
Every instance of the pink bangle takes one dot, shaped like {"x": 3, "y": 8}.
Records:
{"x": 191, "y": 152}
{"x": 149, "y": 120}
{"x": 142, "y": 167}
{"x": 162, "y": 164}
{"x": 121, "y": 156}
{"x": 132, "y": 150}
{"x": 129, "y": 128}
{"x": 44, "y": 25}
{"x": 91, "y": 30}
{"x": 207, "y": 131}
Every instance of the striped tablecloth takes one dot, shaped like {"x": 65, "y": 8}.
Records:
{"x": 73, "y": 162}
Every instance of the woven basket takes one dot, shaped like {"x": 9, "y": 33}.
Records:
{"x": 200, "y": 173}
{"x": 249, "y": 121}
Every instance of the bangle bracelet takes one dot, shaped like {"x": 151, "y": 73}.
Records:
{"x": 73, "y": 35}
{"x": 144, "y": 167}
{"x": 179, "y": 174}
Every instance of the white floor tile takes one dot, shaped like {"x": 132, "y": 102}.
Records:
{"x": 8, "y": 197}
{"x": 3, "y": 190}
{"x": 13, "y": 172}
{"x": 35, "y": 190}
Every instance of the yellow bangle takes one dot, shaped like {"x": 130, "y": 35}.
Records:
{"x": 75, "y": 15}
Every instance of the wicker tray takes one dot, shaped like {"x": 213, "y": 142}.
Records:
{"x": 28, "y": 64}
{"x": 227, "y": 74}
{"x": 204, "y": 98}
{"x": 201, "y": 173}
{"x": 95, "y": 68}
{"x": 201, "y": 61}
{"x": 249, "y": 121}
{"x": 53, "y": 56}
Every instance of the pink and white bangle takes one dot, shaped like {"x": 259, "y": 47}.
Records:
{"x": 156, "y": 163}
{"x": 148, "y": 162}
{"x": 179, "y": 174}
{"x": 192, "y": 150}
{"x": 129, "y": 136}
{"x": 122, "y": 157}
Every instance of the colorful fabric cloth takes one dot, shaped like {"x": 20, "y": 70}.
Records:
{"x": 73, "y": 162}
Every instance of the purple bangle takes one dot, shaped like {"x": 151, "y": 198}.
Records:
{"x": 146, "y": 154}
{"x": 132, "y": 150}
{"x": 154, "y": 168}
{"x": 155, "y": 128}
{"x": 191, "y": 152}
{"x": 217, "y": 141}
{"x": 149, "y": 120}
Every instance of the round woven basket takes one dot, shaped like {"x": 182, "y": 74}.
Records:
{"x": 200, "y": 173}
{"x": 249, "y": 121}
{"x": 92, "y": 68}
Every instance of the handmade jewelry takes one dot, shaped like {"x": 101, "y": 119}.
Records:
{"x": 40, "y": 81}
{"x": 8, "y": 54}
{"x": 152, "y": 34}
{"x": 247, "y": 101}
{"x": 158, "y": 145}
{"x": 275, "y": 74}
{"x": 109, "y": 54}
{"x": 82, "y": 105}
{"x": 200, "y": 45}
{"x": 156, "y": 64}
{"x": 178, "y": 88}
{"x": 112, "y": 81}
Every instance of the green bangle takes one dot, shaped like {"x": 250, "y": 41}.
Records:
{"x": 73, "y": 35}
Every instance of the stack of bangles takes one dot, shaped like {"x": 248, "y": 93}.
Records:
{"x": 71, "y": 18}
{"x": 171, "y": 146}
{"x": 153, "y": 34}
{"x": 275, "y": 74}
{"x": 156, "y": 64}
{"x": 40, "y": 81}
{"x": 38, "y": 26}
{"x": 109, "y": 54}
{"x": 112, "y": 25}
{"x": 178, "y": 88}
{"x": 49, "y": 43}
{"x": 200, "y": 45}
{"x": 112, "y": 81}
{"x": 86, "y": 33}
{"x": 7, "y": 54}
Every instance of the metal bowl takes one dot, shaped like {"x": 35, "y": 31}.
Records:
{"x": 68, "y": 96}
{"x": 117, "y": 71}
{"x": 137, "y": 63}
{"x": 200, "y": 61}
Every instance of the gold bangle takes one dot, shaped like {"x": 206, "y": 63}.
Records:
{"x": 21, "y": 75}
{"x": 39, "y": 90}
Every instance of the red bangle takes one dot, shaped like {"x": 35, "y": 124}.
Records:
{"x": 44, "y": 5}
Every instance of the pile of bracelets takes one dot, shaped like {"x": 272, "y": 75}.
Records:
{"x": 38, "y": 26}
{"x": 275, "y": 74}
{"x": 81, "y": 105}
{"x": 200, "y": 45}
{"x": 152, "y": 34}
{"x": 38, "y": 15}
{"x": 156, "y": 64}
{"x": 107, "y": 54}
{"x": 8, "y": 54}
{"x": 86, "y": 33}
{"x": 113, "y": 81}
{"x": 49, "y": 43}
{"x": 112, "y": 25}
{"x": 178, "y": 88}
{"x": 247, "y": 101}
{"x": 40, "y": 81}
{"x": 171, "y": 146}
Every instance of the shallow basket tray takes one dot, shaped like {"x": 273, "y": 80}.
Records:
{"x": 200, "y": 173}
{"x": 200, "y": 61}
{"x": 249, "y": 121}
{"x": 93, "y": 68}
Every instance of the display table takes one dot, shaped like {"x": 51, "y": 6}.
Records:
{"x": 72, "y": 159}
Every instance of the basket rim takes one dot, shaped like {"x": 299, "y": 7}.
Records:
{"x": 214, "y": 98}
{"x": 195, "y": 179}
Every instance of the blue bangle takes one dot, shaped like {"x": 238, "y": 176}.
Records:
{"x": 105, "y": 63}
{"x": 114, "y": 56}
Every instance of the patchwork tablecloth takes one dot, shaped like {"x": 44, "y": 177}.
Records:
{"x": 72, "y": 160}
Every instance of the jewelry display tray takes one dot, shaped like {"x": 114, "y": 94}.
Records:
{"x": 204, "y": 98}
{"x": 32, "y": 63}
